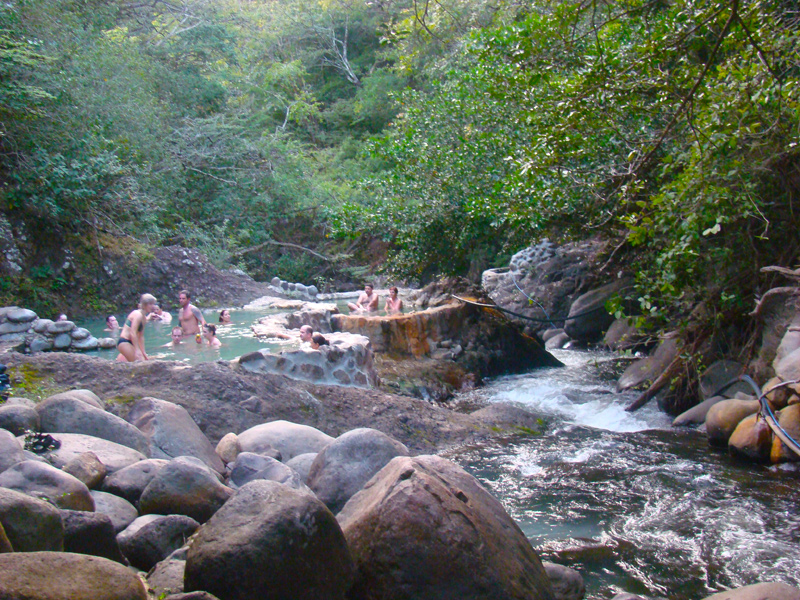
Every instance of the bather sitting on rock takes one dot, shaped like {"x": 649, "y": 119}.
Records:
{"x": 159, "y": 315}
{"x": 393, "y": 306}
{"x": 210, "y": 333}
{"x": 318, "y": 340}
{"x": 367, "y": 301}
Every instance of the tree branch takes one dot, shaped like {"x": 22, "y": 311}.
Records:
{"x": 283, "y": 244}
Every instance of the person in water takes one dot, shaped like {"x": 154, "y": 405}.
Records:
{"x": 177, "y": 338}
{"x": 305, "y": 334}
{"x": 190, "y": 317}
{"x": 61, "y": 317}
{"x": 210, "y": 333}
{"x": 367, "y": 301}
{"x": 131, "y": 338}
{"x": 393, "y": 306}
{"x": 224, "y": 317}
{"x": 111, "y": 323}
{"x": 318, "y": 340}
{"x": 159, "y": 315}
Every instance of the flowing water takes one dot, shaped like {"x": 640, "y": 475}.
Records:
{"x": 631, "y": 503}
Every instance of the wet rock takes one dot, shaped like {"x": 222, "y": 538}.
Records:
{"x": 718, "y": 374}
{"x": 301, "y": 464}
{"x": 21, "y": 315}
{"x": 788, "y": 368}
{"x": 508, "y": 416}
{"x": 86, "y": 396}
{"x": 184, "y": 488}
{"x": 759, "y": 591}
{"x": 62, "y": 341}
{"x": 62, "y": 575}
{"x": 114, "y": 456}
{"x": 558, "y": 341}
{"x": 263, "y": 535}
{"x": 228, "y": 448}
{"x": 567, "y": 583}
{"x": 87, "y": 468}
{"x": 107, "y": 343}
{"x": 249, "y": 467}
{"x": 167, "y": 576}
{"x": 171, "y": 432}
{"x": 152, "y": 538}
{"x": 697, "y": 414}
{"x": 789, "y": 420}
{"x": 752, "y": 439}
{"x": 778, "y": 397}
{"x": 42, "y": 325}
{"x": 10, "y": 450}
{"x": 79, "y": 333}
{"x": 18, "y": 419}
{"x": 86, "y": 344}
{"x": 40, "y": 344}
{"x": 90, "y": 533}
{"x": 623, "y": 335}
{"x": 43, "y": 481}
{"x": 723, "y": 417}
{"x": 647, "y": 370}
{"x": 70, "y": 415}
{"x": 346, "y": 464}
{"x": 58, "y": 328}
{"x": 31, "y": 525}
{"x": 422, "y": 527}
{"x": 588, "y": 318}
{"x": 551, "y": 333}
{"x": 121, "y": 512}
{"x": 290, "y": 439}
{"x": 129, "y": 482}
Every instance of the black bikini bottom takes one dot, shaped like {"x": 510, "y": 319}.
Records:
{"x": 123, "y": 340}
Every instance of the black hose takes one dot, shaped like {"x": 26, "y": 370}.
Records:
{"x": 515, "y": 314}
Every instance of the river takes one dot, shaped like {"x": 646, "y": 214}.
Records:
{"x": 631, "y": 503}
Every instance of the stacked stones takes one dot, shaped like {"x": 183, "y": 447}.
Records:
{"x": 23, "y": 327}
{"x": 297, "y": 290}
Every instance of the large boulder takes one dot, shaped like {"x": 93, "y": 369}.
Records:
{"x": 567, "y": 583}
{"x": 789, "y": 420}
{"x": 46, "y": 482}
{"x": 723, "y": 417}
{"x": 249, "y": 467}
{"x": 752, "y": 439}
{"x": 87, "y": 468}
{"x": 424, "y": 528}
{"x": 720, "y": 373}
{"x": 121, "y": 512}
{"x": 697, "y": 414}
{"x": 11, "y": 451}
{"x": 113, "y": 456}
{"x": 301, "y": 464}
{"x": 346, "y": 464}
{"x": 171, "y": 432}
{"x": 270, "y": 542}
{"x": 66, "y": 576}
{"x": 19, "y": 418}
{"x": 152, "y": 538}
{"x": 646, "y": 370}
{"x": 31, "y": 524}
{"x": 70, "y": 415}
{"x": 129, "y": 482}
{"x": 182, "y": 487}
{"x": 86, "y": 396}
{"x": 760, "y": 591}
{"x": 90, "y": 533}
{"x": 290, "y": 439}
{"x": 588, "y": 317}
{"x": 167, "y": 576}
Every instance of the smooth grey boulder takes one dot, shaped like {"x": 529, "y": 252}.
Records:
{"x": 567, "y": 583}
{"x": 42, "y": 325}
{"x": 280, "y": 542}
{"x": 510, "y": 417}
{"x": 46, "y": 482}
{"x": 167, "y": 576}
{"x": 249, "y": 467}
{"x": 89, "y": 343}
{"x": 64, "y": 575}
{"x": 301, "y": 464}
{"x": 62, "y": 341}
{"x": 18, "y": 401}
{"x": 121, "y": 512}
{"x": 647, "y": 370}
{"x": 90, "y": 533}
{"x": 424, "y": 528}
{"x": 83, "y": 395}
{"x": 14, "y": 328}
{"x": 70, "y": 415}
{"x": 182, "y": 487}
{"x": 557, "y": 342}
{"x": 290, "y": 439}
{"x": 18, "y": 419}
{"x": 171, "y": 432}
{"x": 80, "y": 333}
{"x": 11, "y": 451}
{"x": 697, "y": 414}
{"x": 114, "y": 456}
{"x": 40, "y": 344}
{"x": 129, "y": 483}
{"x": 21, "y": 315}
{"x": 32, "y": 525}
{"x": 60, "y": 327}
{"x": 759, "y": 591}
{"x": 87, "y": 468}
{"x": 152, "y": 538}
{"x": 346, "y": 464}
{"x": 551, "y": 333}
{"x": 588, "y": 318}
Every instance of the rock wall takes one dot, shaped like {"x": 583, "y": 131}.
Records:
{"x": 295, "y": 290}
{"x": 24, "y": 329}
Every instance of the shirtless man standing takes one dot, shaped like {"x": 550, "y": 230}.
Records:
{"x": 190, "y": 316}
{"x": 367, "y": 301}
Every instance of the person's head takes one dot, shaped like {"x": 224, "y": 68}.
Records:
{"x": 184, "y": 298}
{"x": 147, "y": 302}
{"x": 368, "y": 289}
{"x": 157, "y": 309}
{"x": 61, "y": 317}
{"x": 318, "y": 340}
{"x": 306, "y": 333}
{"x": 393, "y": 291}
{"x": 177, "y": 335}
{"x": 210, "y": 331}
{"x": 225, "y": 316}
{"x": 111, "y": 322}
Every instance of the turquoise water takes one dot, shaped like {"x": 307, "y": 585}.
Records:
{"x": 237, "y": 338}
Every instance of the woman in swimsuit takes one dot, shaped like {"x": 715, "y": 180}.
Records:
{"x": 131, "y": 338}
{"x": 394, "y": 305}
